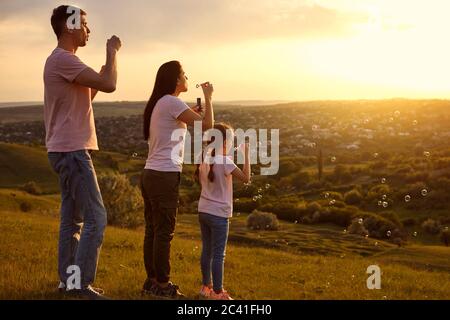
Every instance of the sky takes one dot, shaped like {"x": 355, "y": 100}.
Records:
{"x": 249, "y": 49}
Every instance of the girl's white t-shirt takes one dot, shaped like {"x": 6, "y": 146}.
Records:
{"x": 216, "y": 197}
{"x": 164, "y": 153}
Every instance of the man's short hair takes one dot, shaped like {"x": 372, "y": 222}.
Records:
{"x": 59, "y": 19}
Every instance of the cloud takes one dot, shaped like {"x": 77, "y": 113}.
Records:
{"x": 196, "y": 23}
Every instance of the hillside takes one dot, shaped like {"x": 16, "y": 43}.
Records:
{"x": 28, "y": 254}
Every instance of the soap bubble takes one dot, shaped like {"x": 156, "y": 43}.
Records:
{"x": 327, "y": 194}
{"x": 333, "y": 159}
{"x": 260, "y": 190}
{"x": 415, "y": 234}
{"x": 389, "y": 233}
{"x": 391, "y": 119}
{"x": 366, "y": 236}
{"x": 426, "y": 153}
{"x": 384, "y": 197}
{"x": 237, "y": 200}
{"x": 375, "y": 155}
{"x": 134, "y": 155}
{"x": 267, "y": 185}
{"x": 407, "y": 198}
{"x": 255, "y": 198}
{"x": 424, "y": 192}
{"x": 345, "y": 231}
{"x": 385, "y": 204}
{"x": 315, "y": 127}
{"x": 396, "y": 113}
{"x": 380, "y": 203}
{"x": 383, "y": 180}
{"x": 313, "y": 145}
{"x": 332, "y": 202}
{"x": 360, "y": 220}
{"x": 446, "y": 229}
{"x": 414, "y": 123}
{"x": 296, "y": 221}
{"x": 376, "y": 243}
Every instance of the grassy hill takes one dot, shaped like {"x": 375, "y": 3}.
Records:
{"x": 20, "y": 164}
{"x": 28, "y": 254}
{"x": 298, "y": 261}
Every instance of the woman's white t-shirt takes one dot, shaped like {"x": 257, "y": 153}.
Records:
{"x": 166, "y": 153}
{"x": 216, "y": 197}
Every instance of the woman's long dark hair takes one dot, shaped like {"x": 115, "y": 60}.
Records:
{"x": 165, "y": 83}
{"x": 222, "y": 127}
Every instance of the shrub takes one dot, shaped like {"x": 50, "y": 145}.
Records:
{"x": 357, "y": 228}
{"x": 409, "y": 222}
{"x": 123, "y": 202}
{"x": 445, "y": 236}
{"x": 262, "y": 221}
{"x": 391, "y": 216}
{"x": 25, "y": 206}
{"x": 31, "y": 187}
{"x": 286, "y": 210}
{"x": 431, "y": 226}
{"x": 333, "y": 195}
{"x": 353, "y": 197}
{"x": 379, "y": 226}
{"x": 245, "y": 205}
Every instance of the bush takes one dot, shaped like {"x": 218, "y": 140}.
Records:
{"x": 431, "y": 226}
{"x": 353, "y": 197}
{"x": 332, "y": 195}
{"x": 123, "y": 202}
{"x": 357, "y": 227}
{"x": 25, "y": 206}
{"x": 285, "y": 210}
{"x": 31, "y": 187}
{"x": 244, "y": 205}
{"x": 445, "y": 236}
{"x": 409, "y": 222}
{"x": 262, "y": 221}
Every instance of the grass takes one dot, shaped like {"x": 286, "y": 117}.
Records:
{"x": 28, "y": 254}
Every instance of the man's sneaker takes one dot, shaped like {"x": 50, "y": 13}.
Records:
{"x": 171, "y": 291}
{"x": 62, "y": 288}
{"x": 205, "y": 292}
{"x": 88, "y": 293}
{"x": 220, "y": 296}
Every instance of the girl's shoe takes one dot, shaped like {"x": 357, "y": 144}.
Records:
{"x": 205, "y": 292}
{"x": 220, "y": 296}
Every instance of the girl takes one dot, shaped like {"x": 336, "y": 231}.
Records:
{"x": 164, "y": 113}
{"x": 216, "y": 207}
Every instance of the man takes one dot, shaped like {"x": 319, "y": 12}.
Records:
{"x": 70, "y": 86}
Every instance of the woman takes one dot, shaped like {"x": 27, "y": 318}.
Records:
{"x": 164, "y": 113}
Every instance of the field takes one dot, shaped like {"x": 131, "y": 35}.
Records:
{"x": 312, "y": 255}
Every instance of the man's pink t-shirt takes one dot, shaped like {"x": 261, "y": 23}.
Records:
{"x": 68, "y": 114}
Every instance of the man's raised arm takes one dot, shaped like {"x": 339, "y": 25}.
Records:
{"x": 104, "y": 81}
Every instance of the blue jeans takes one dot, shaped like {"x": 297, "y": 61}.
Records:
{"x": 81, "y": 208}
{"x": 214, "y": 240}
